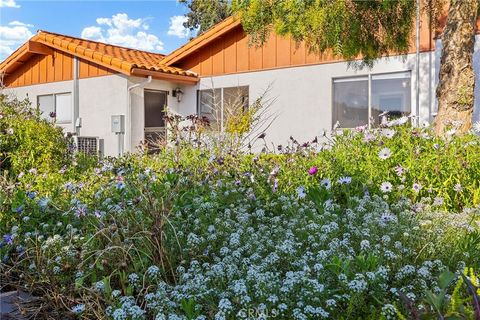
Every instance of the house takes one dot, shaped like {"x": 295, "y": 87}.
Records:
{"x": 113, "y": 98}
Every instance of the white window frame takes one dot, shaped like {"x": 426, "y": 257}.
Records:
{"x": 199, "y": 111}
{"x": 54, "y": 95}
{"x": 363, "y": 77}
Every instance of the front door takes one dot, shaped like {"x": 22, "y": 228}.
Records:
{"x": 155, "y": 103}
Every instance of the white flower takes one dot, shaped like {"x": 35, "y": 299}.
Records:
{"x": 416, "y": 187}
{"x": 10, "y": 131}
{"x": 458, "y": 187}
{"x": 344, "y": 180}
{"x": 364, "y": 244}
{"x": 384, "y": 154}
{"x": 386, "y": 187}
{"x": 438, "y": 201}
{"x": 301, "y": 192}
{"x": 326, "y": 183}
{"x": 388, "y": 133}
{"x": 79, "y": 308}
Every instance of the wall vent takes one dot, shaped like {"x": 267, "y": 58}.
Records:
{"x": 88, "y": 145}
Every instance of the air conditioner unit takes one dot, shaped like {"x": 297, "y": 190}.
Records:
{"x": 88, "y": 145}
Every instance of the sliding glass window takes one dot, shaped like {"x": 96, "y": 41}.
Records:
{"x": 359, "y": 101}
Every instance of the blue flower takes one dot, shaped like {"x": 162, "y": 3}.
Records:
{"x": 43, "y": 203}
{"x": 8, "y": 239}
{"x": 31, "y": 194}
{"x": 19, "y": 209}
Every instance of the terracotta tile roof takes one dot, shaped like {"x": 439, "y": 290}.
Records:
{"x": 124, "y": 60}
{"x": 206, "y": 37}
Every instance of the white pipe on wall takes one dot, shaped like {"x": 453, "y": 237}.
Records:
{"x": 129, "y": 109}
{"x": 76, "y": 104}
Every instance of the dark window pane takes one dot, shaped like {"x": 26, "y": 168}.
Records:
{"x": 350, "y": 102}
{"x": 155, "y": 103}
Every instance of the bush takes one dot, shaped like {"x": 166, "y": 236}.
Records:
{"x": 29, "y": 142}
{"x": 341, "y": 229}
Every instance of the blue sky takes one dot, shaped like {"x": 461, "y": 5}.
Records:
{"x": 147, "y": 25}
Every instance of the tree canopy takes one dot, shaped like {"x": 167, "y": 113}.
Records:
{"x": 352, "y": 29}
{"x": 204, "y": 14}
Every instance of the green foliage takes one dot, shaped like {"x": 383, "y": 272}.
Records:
{"x": 204, "y": 14}
{"x": 352, "y": 29}
{"x": 27, "y": 141}
{"x": 179, "y": 232}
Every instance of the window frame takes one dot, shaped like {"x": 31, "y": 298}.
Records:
{"x": 369, "y": 77}
{"x": 222, "y": 98}
{"x": 54, "y": 95}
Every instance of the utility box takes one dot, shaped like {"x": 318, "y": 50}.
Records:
{"x": 118, "y": 123}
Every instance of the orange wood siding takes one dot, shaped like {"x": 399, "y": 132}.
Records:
{"x": 231, "y": 53}
{"x": 39, "y": 69}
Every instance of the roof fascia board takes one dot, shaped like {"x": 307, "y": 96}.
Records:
{"x": 165, "y": 76}
{"x": 202, "y": 40}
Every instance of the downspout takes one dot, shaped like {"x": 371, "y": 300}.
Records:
{"x": 417, "y": 63}
{"x": 129, "y": 111}
{"x": 76, "y": 106}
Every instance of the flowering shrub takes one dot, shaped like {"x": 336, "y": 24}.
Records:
{"x": 358, "y": 225}
{"x": 26, "y": 141}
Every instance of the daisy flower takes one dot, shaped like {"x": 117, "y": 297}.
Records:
{"x": 388, "y": 133}
{"x": 416, "y": 187}
{"x": 386, "y": 187}
{"x": 326, "y": 183}
{"x": 301, "y": 192}
{"x": 384, "y": 154}
{"x": 345, "y": 180}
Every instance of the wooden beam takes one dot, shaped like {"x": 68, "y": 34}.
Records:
{"x": 165, "y": 76}
{"x": 39, "y": 48}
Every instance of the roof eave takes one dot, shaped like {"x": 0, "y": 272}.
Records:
{"x": 165, "y": 76}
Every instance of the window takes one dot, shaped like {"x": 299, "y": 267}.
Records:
{"x": 355, "y": 99}
{"x": 350, "y": 102}
{"x": 219, "y": 105}
{"x": 58, "y": 104}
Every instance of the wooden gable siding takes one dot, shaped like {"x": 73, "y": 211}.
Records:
{"x": 231, "y": 53}
{"x": 39, "y": 69}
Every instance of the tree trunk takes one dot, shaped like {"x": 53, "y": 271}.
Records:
{"x": 455, "y": 91}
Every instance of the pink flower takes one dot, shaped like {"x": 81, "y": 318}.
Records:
{"x": 312, "y": 171}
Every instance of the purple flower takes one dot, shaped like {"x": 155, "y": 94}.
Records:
{"x": 19, "y": 209}
{"x": 52, "y": 114}
{"x": 8, "y": 239}
{"x": 312, "y": 171}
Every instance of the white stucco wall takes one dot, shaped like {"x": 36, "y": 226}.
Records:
{"x": 99, "y": 99}
{"x": 303, "y": 95}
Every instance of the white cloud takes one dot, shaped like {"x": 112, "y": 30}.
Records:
{"x": 12, "y": 36}
{"x": 123, "y": 31}
{"x": 176, "y": 27}
{"x": 9, "y": 4}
